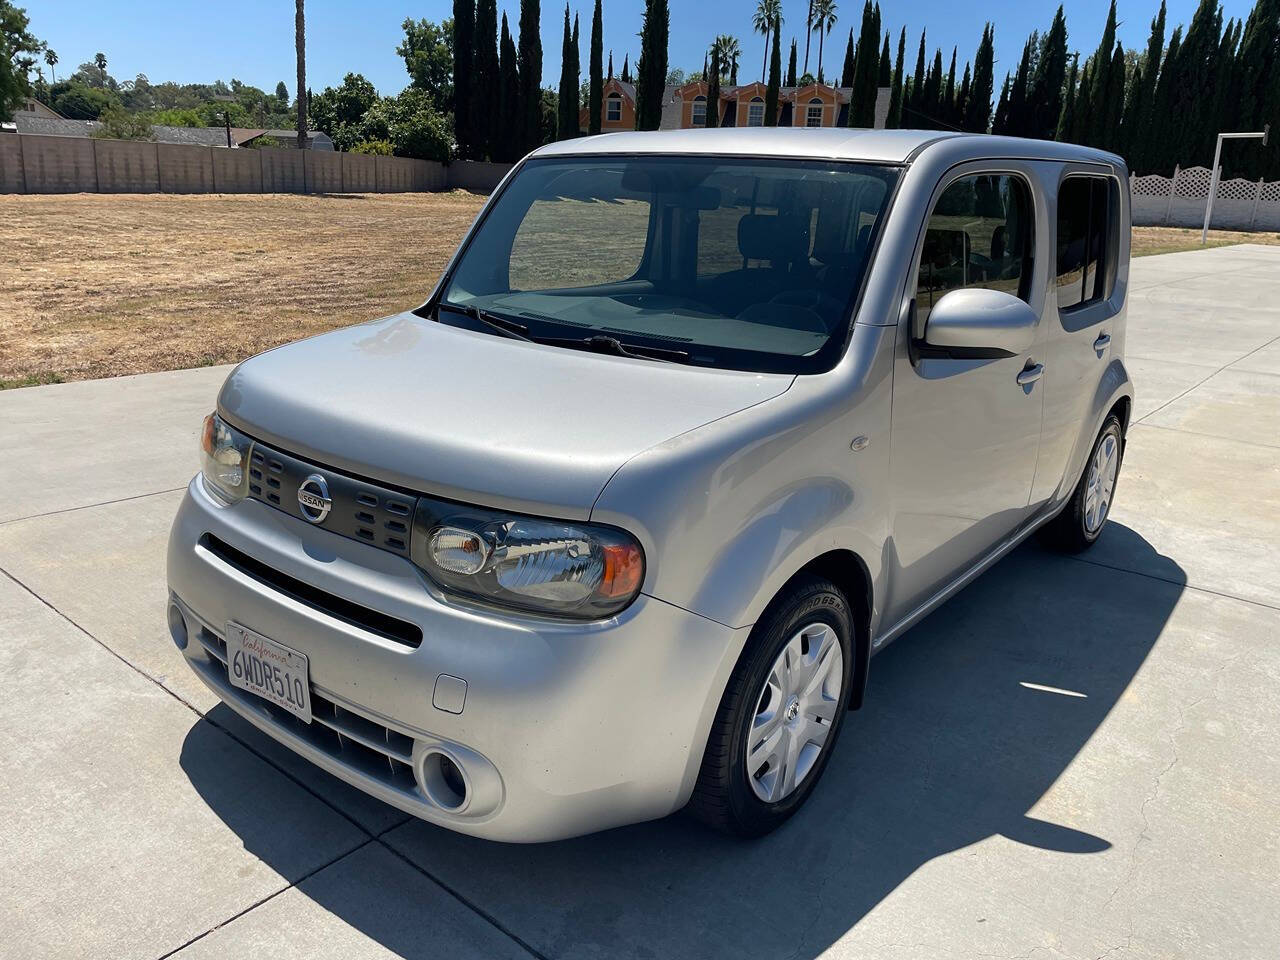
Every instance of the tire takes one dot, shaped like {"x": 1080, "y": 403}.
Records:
{"x": 810, "y": 618}
{"x": 1077, "y": 526}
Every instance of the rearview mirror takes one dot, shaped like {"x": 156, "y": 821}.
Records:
{"x": 977, "y": 322}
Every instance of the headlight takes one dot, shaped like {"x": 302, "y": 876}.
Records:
{"x": 224, "y": 459}
{"x": 574, "y": 570}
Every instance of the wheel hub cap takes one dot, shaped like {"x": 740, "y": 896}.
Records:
{"x": 1101, "y": 483}
{"x": 795, "y": 711}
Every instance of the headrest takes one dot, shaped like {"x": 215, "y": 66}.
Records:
{"x": 776, "y": 237}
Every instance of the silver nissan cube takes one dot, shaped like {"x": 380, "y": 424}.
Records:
{"x": 693, "y": 424}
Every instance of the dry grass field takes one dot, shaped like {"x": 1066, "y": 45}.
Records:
{"x": 96, "y": 285}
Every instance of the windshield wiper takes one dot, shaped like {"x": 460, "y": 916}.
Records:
{"x": 615, "y": 347}
{"x": 491, "y": 320}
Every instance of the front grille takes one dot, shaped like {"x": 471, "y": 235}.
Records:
{"x": 373, "y": 621}
{"x": 361, "y": 744}
{"x": 364, "y": 511}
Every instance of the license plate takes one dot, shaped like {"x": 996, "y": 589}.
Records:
{"x": 268, "y": 669}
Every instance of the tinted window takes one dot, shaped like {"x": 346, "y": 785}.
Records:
{"x": 751, "y": 264}
{"x": 979, "y": 235}
{"x": 1087, "y": 211}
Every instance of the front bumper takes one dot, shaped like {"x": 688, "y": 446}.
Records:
{"x": 566, "y": 728}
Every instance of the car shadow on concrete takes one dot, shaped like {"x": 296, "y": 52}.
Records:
{"x": 970, "y": 718}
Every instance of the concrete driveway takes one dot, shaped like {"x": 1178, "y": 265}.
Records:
{"x": 964, "y": 814}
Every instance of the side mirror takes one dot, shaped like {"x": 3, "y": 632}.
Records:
{"x": 977, "y": 322}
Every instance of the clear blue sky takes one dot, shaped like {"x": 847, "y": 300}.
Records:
{"x": 253, "y": 41}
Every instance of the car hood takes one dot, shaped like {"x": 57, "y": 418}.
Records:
{"x": 469, "y": 416}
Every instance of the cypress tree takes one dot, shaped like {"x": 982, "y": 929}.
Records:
{"x": 713, "y": 89}
{"x": 651, "y": 74}
{"x": 947, "y": 104}
{"x": 775, "y": 80}
{"x": 1138, "y": 132}
{"x": 626, "y": 68}
{"x": 1115, "y": 101}
{"x": 885, "y": 76}
{"x": 862, "y": 99}
{"x": 894, "y": 120}
{"x": 977, "y": 110}
{"x": 610, "y": 76}
{"x": 595, "y": 100}
{"x": 1045, "y": 99}
{"x": 1018, "y": 118}
{"x": 529, "y": 47}
{"x": 846, "y": 74}
{"x": 1093, "y": 116}
{"x": 911, "y": 112}
{"x": 568, "y": 81}
{"x": 1080, "y": 121}
{"x": 1196, "y": 128}
{"x": 1160, "y": 153}
{"x": 791, "y": 65}
{"x": 962, "y": 98}
{"x": 1000, "y": 124}
{"x": 506, "y": 148}
{"x": 1258, "y": 88}
{"x": 1066, "y": 119}
{"x": 484, "y": 82}
{"x": 932, "y": 94}
{"x": 464, "y": 31}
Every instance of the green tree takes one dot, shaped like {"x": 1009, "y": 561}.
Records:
{"x": 1143, "y": 95}
{"x": 932, "y": 97}
{"x": 651, "y": 73}
{"x": 884, "y": 78}
{"x": 791, "y": 65}
{"x": 464, "y": 39}
{"x": 1017, "y": 115}
{"x": 766, "y": 20}
{"x": 775, "y": 80}
{"x": 1094, "y": 114}
{"x": 529, "y": 47}
{"x": 866, "y": 69}
{"x": 962, "y": 98}
{"x": 119, "y": 124}
{"x": 846, "y": 71}
{"x": 912, "y": 105}
{"x": 505, "y": 147}
{"x": 1067, "y": 118}
{"x": 427, "y": 51}
{"x": 282, "y": 93}
{"x": 486, "y": 139}
{"x": 1258, "y": 88}
{"x": 595, "y": 100}
{"x": 300, "y": 49}
{"x": 894, "y": 120}
{"x": 567, "y": 96}
{"x": 18, "y": 48}
{"x": 977, "y": 111}
{"x": 1000, "y": 122}
{"x": 1045, "y": 97}
{"x": 713, "y": 89}
{"x": 824, "y": 20}
{"x": 730, "y": 51}
{"x": 100, "y": 61}
{"x": 625, "y": 77}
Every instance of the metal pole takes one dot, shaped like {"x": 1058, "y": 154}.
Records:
{"x": 1263, "y": 135}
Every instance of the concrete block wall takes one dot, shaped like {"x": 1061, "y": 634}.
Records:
{"x": 323, "y": 171}
{"x": 59, "y": 164}
{"x": 283, "y": 171}
{"x": 476, "y": 176}
{"x": 126, "y": 166}
{"x": 236, "y": 171}
{"x": 185, "y": 169}
{"x": 359, "y": 173}
{"x": 12, "y": 178}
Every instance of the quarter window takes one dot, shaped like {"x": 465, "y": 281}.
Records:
{"x": 979, "y": 235}
{"x": 755, "y": 113}
{"x": 813, "y": 116}
{"x": 699, "y": 117}
{"x": 1087, "y": 217}
{"x": 613, "y": 108}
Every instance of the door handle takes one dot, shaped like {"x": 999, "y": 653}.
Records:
{"x": 1030, "y": 374}
{"x": 1103, "y": 341}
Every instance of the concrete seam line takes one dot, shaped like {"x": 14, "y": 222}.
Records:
{"x": 90, "y": 506}
{"x": 271, "y": 896}
{"x": 483, "y": 914}
{"x": 1185, "y": 584}
{"x": 190, "y": 706}
{"x": 1212, "y": 436}
{"x": 1206, "y": 380}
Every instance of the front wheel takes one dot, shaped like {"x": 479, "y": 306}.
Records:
{"x": 1081, "y": 521}
{"x": 780, "y": 714}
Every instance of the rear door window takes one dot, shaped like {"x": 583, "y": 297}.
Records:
{"x": 1088, "y": 210}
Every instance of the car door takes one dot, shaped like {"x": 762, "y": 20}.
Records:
{"x": 1080, "y": 320}
{"x": 966, "y": 431}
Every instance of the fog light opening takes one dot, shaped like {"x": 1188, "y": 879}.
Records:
{"x": 177, "y": 627}
{"x": 443, "y": 780}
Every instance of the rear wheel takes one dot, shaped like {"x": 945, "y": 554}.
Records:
{"x": 1081, "y": 521}
{"x": 780, "y": 714}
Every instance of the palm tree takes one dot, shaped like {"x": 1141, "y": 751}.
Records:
{"x": 300, "y": 43}
{"x": 51, "y": 59}
{"x": 100, "y": 61}
{"x": 730, "y": 51}
{"x": 768, "y": 17}
{"x": 824, "y": 19}
{"x": 808, "y": 29}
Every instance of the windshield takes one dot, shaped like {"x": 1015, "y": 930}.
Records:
{"x": 741, "y": 263}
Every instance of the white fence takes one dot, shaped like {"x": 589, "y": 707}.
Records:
{"x": 1180, "y": 201}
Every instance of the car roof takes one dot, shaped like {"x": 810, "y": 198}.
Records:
{"x": 874, "y": 146}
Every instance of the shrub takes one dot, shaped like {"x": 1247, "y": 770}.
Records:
{"x": 373, "y": 148}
